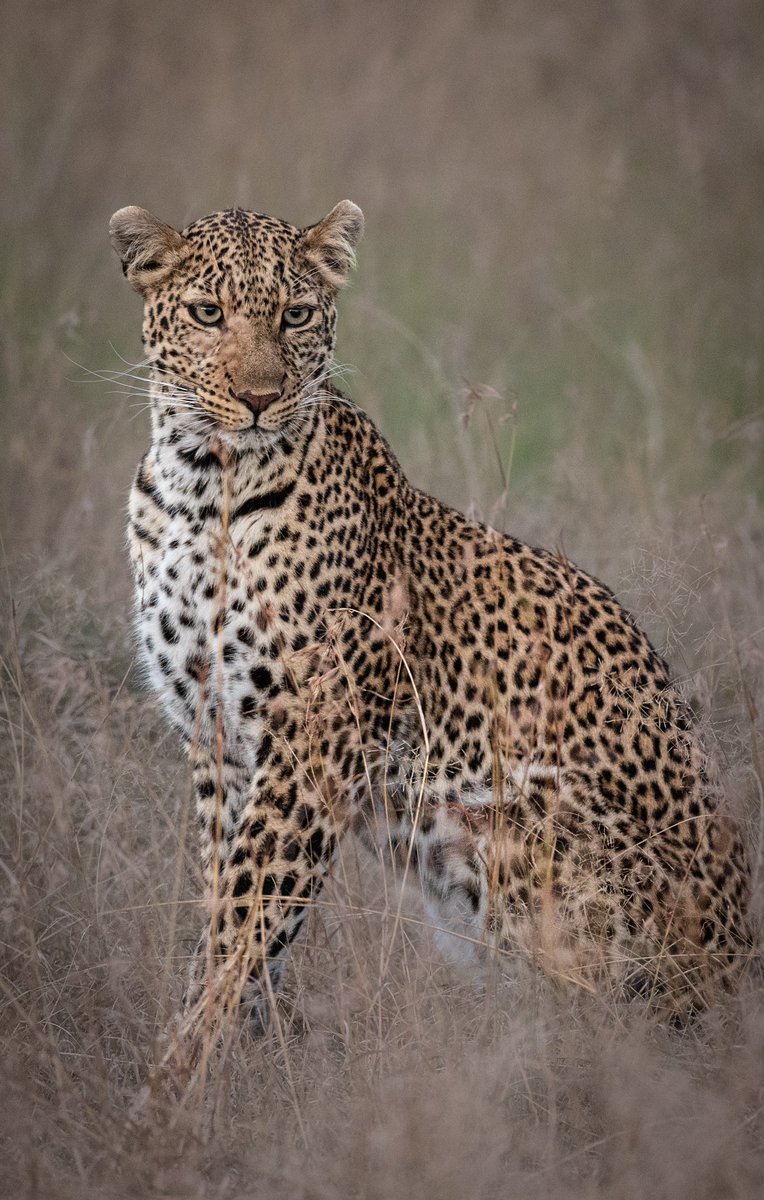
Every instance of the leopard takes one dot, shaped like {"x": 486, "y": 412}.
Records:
{"x": 344, "y": 656}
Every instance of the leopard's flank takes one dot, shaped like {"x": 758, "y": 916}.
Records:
{"x": 341, "y": 653}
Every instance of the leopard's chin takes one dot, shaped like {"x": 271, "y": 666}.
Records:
{"x": 254, "y": 438}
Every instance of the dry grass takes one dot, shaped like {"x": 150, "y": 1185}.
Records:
{"x": 562, "y": 206}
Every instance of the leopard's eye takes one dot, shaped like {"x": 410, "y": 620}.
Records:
{"x": 206, "y": 314}
{"x": 297, "y": 315}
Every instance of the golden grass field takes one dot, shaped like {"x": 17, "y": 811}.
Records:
{"x": 557, "y": 321}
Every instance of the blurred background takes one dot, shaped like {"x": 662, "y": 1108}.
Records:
{"x": 563, "y": 204}
{"x": 557, "y": 322}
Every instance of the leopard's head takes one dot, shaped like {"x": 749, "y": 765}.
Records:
{"x": 239, "y": 310}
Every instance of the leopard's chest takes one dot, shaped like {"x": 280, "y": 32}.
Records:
{"x": 207, "y": 650}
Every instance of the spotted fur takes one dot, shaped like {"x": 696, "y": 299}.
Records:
{"x": 340, "y": 651}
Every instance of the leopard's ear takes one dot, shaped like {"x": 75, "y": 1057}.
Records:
{"x": 148, "y": 249}
{"x": 330, "y": 245}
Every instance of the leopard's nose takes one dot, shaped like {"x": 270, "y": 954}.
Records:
{"x": 257, "y": 402}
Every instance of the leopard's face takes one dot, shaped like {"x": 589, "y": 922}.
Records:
{"x": 239, "y": 312}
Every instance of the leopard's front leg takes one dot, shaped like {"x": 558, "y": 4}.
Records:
{"x": 274, "y": 867}
{"x": 221, "y": 787}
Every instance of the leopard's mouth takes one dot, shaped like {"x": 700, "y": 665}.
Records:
{"x": 250, "y": 406}
{"x": 267, "y": 412}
